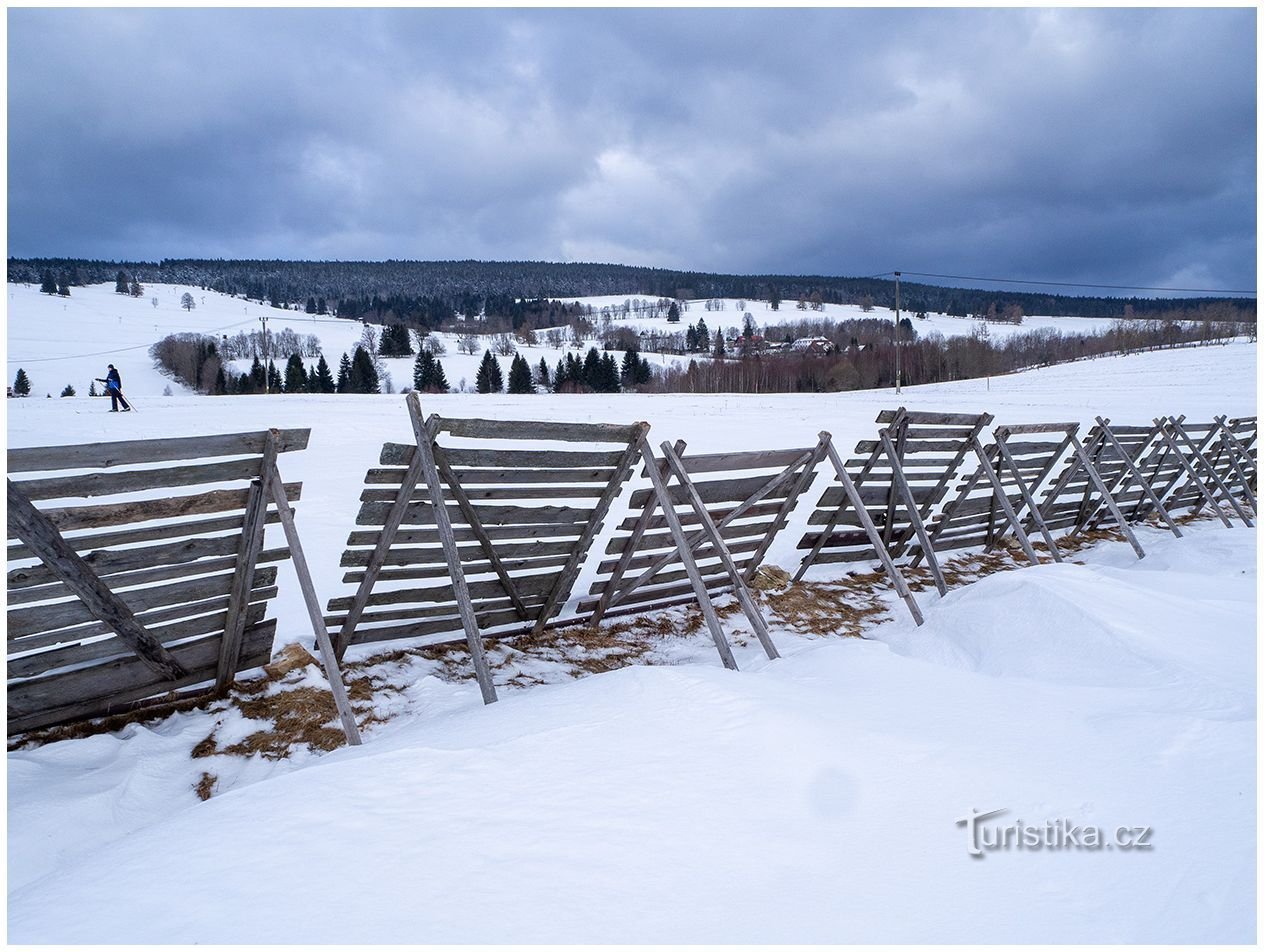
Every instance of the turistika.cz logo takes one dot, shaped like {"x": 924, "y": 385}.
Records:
{"x": 1051, "y": 835}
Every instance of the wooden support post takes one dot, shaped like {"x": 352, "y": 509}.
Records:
{"x": 915, "y": 518}
{"x": 1163, "y": 448}
{"x": 942, "y": 485}
{"x": 272, "y": 479}
{"x": 783, "y": 514}
{"x": 461, "y": 592}
{"x": 394, "y": 519}
{"x": 571, "y": 569}
{"x": 1001, "y": 434}
{"x": 244, "y": 575}
{"x": 1107, "y": 498}
{"x": 629, "y": 551}
{"x": 1003, "y": 500}
{"x": 39, "y": 534}
{"x": 1236, "y": 449}
{"x": 753, "y": 614}
{"x": 686, "y": 557}
{"x": 1211, "y": 471}
{"x": 1134, "y": 472}
{"x": 896, "y": 456}
{"x": 1190, "y": 472}
{"x": 475, "y": 524}
{"x": 901, "y": 587}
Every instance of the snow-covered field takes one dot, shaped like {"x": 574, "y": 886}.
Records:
{"x": 811, "y": 799}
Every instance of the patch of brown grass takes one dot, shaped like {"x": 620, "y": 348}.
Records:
{"x": 205, "y": 785}
{"x": 845, "y": 607}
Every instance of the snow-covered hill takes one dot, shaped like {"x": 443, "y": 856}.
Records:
{"x": 811, "y": 799}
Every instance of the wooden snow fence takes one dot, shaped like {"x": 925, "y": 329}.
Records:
{"x": 1192, "y": 447}
{"x": 118, "y": 594}
{"x": 899, "y": 479}
{"x": 1000, "y": 496}
{"x": 702, "y": 528}
{"x": 494, "y": 535}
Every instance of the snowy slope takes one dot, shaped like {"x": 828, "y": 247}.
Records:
{"x": 812, "y": 799}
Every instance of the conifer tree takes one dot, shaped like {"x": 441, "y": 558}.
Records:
{"x": 121, "y": 283}
{"x": 295, "y": 375}
{"x": 423, "y": 370}
{"x": 68, "y": 391}
{"x": 520, "y": 376}
{"x": 704, "y": 334}
{"x": 258, "y": 377}
{"x": 344, "y": 374}
{"x": 673, "y": 313}
{"x": 22, "y": 383}
{"x": 92, "y": 389}
{"x": 542, "y": 373}
{"x": 48, "y": 284}
{"x": 719, "y": 350}
{"x": 321, "y": 380}
{"x": 439, "y": 381}
{"x": 221, "y": 381}
{"x": 489, "y": 378}
{"x": 275, "y": 383}
{"x": 363, "y": 375}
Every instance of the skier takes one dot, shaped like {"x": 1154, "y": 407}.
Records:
{"x": 114, "y": 387}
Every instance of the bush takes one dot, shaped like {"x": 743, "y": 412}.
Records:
{"x": 69, "y": 391}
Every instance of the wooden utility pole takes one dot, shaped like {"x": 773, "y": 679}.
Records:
{"x": 897, "y": 332}
{"x": 267, "y": 355}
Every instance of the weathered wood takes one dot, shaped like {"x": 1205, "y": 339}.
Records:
{"x": 41, "y": 536}
{"x": 272, "y": 482}
{"x": 1025, "y": 492}
{"x": 876, "y": 496}
{"x": 719, "y": 490}
{"x": 502, "y": 477}
{"x": 1135, "y": 473}
{"x": 687, "y": 518}
{"x": 126, "y": 481}
{"x": 701, "y": 553}
{"x": 29, "y": 620}
{"x": 499, "y": 493}
{"x": 923, "y": 417}
{"x": 106, "y": 455}
{"x": 1002, "y": 499}
{"x": 656, "y": 540}
{"x": 913, "y": 516}
{"x": 686, "y": 557}
{"x": 406, "y": 537}
{"x": 538, "y": 430}
{"x": 566, "y": 579}
{"x": 404, "y": 555}
{"x": 833, "y": 519}
{"x": 1089, "y": 468}
{"x": 100, "y": 689}
{"x": 399, "y": 454}
{"x": 490, "y": 588}
{"x": 60, "y": 655}
{"x": 72, "y": 518}
{"x": 423, "y": 514}
{"x": 196, "y": 528}
{"x": 430, "y": 476}
{"x": 805, "y": 479}
{"x": 1210, "y": 470}
{"x": 1236, "y": 452}
{"x": 477, "y": 568}
{"x": 734, "y": 462}
{"x": 244, "y": 576}
{"x": 1194, "y": 481}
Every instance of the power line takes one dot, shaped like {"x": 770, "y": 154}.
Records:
{"x": 1069, "y": 284}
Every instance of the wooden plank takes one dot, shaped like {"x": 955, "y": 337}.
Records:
{"x": 538, "y": 430}
{"x": 90, "y": 485}
{"x": 735, "y": 462}
{"x": 399, "y": 454}
{"x": 444, "y": 610}
{"x": 37, "y": 531}
{"x": 651, "y": 541}
{"x": 461, "y": 534}
{"x": 924, "y": 417}
{"x": 101, "y": 689}
{"x": 1210, "y": 470}
{"x": 514, "y": 566}
{"x": 196, "y": 528}
{"x": 403, "y": 555}
{"x": 528, "y": 585}
{"x": 423, "y": 514}
{"x": 105, "y": 455}
{"x": 122, "y": 580}
{"x": 28, "y": 621}
{"x": 717, "y": 491}
{"x": 153, "y": 617}
{"x": 1024, "y": 492}
{"x": 499, "y": 477}
{"x": 916, "y": 447}
{"x": 1002, "y": 500}
{"x": 807, "y": 475}
{"x": 43, "y": 662}
{"x": 874, "y": 495}
{"x": 701, "y": 553}
{"x": 498, "y": 493}
{"x": 100, "y": 516}
{"x": 757, "y": 511}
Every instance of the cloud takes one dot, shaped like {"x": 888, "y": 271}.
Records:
{"x": 1092, "y": 145}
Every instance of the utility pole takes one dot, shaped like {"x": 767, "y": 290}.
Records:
{"x": 897, "y": 332}
{"x": 267, "y": 355}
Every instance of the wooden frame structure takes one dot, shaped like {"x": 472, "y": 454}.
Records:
{"x": 115, "y": 596}
{"x": 904, "y": 475}
{"x": 502, "y": 531}
{"x": 1204, "y": 484}
{"x": 732, "y": 504}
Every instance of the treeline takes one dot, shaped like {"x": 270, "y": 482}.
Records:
{"x": 432, "y": 292}
{"x": 934, "y": 358}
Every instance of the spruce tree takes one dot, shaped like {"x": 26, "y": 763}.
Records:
{"x": 439, "y": 382}
{"x": 295, "y": 375}
{"x": 22, "y": 383}
{"x": 542, "y": 373}
{"x": 590, "y": 375}
{"x": 258, "y": 377}
{"x": 321, "y": 380}
{"x": 68, "y": 391}
{"x": 608, "y": 379}
{"x": 344, "y": 374}
{"x": 363, "y": 375}
{"x": 673, "y": 313}
{"x": 489, "y": 378}
{"x": 423, "y": 370}
{"x": 245, "y": 384}
{"x": 275, "y": 383}
{"x": 48, "y": 284}
{"x": 691, "y": 339}
{"x": 520, "y": 376}
{"x": 92, "y": 389}
{"x": 221, "y": 381}
{"x": 121, "y": 283}
{"x": 719, "y": 345}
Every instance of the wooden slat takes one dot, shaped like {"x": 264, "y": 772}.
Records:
{"x": 923, "y": 418}
{"x": 462, "y": 534}
{"x": 97, "y": 690}
{"x": 716, "y": 491}
{"x": 412, "y": 555}
{"x": 538, "y": 430}
{"x": 179, "y": 530}
{"x": 735, "y": 462}
{"x": 399, "y": 454}
{"x": 480, "y": 477}
{"x": 514, "y": 566}
{"x": 494, "y": 494}
{"x": 758, "y": 510}
{"x": 652, "y": 541}
{"x": 528, "y": 585}
{"x": 72, "y": 518}
{"x": 105, "y": 455}
{"x": 92, "y": 485}
{"x": 421, "y": 514}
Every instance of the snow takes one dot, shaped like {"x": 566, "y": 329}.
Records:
{"x": 810, "y": 799}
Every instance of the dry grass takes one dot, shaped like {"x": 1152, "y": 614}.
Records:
{"x": 205, "y": 785}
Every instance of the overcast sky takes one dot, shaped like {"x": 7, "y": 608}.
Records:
{"x": 1108, "y": 146}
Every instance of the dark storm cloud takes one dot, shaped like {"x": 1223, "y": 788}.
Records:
{"x": 1091, "y": 145}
